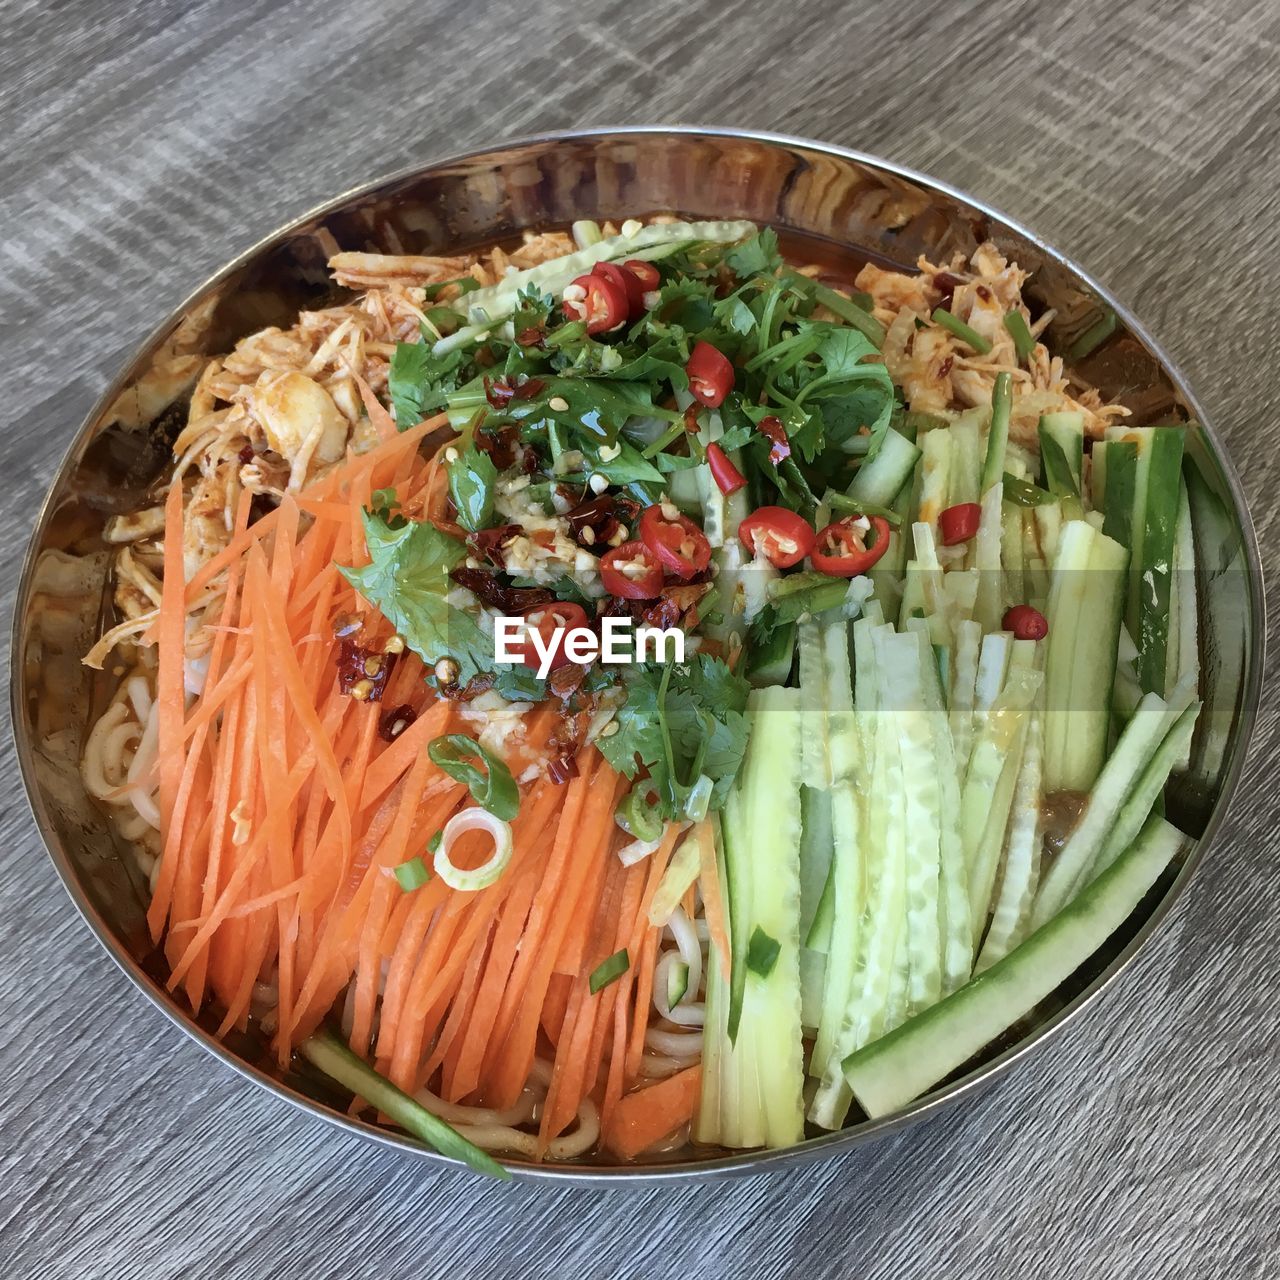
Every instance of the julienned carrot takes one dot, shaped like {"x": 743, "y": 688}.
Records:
{"x": 540, "y": 802}
{"x": 655, "y": 1112}
{"x": 582, "y": 839}
{"x": 556, "y": 1005}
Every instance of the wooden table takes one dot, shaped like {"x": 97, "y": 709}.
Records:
{"x": 145, "y": 144}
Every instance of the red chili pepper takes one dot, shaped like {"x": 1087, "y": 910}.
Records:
{"x": 959, "y": 523}
{"x": 723, "y": 472}
{"x": 635, "y": 585}
{"x": 678, "y": 543}
{"x": 842, "y": 551}
{"x": 710, "y": 375}
{"x": 628, "y": 282}
{"x": 1026, "y": 623}
{"x": 774, "y": 431}
{"x": 545, "y": 618}
{"x": 604, "y": 307}
{"x": 783, "y": 537}
{"x": 645, "y": 272}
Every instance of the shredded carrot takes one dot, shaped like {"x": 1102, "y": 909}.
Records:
{"x": 648, "y": 1115}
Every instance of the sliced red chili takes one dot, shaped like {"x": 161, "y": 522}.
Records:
{"x": 545, "y": 618}
{"x": 727, "y": 477}
{"x": 1026, "y": 622}
{"x": 959, "y": 523}
{"x": 773, "y": 430}
{"x": 677, "y": 542}
{"x": 842, "y": 551}
{"x": 603, "y": 305}
{"x": 631, "y": 572}
{"x": 645, "y": 272}
{"x": 628, "y": 282}
{"x": 781, "y": 536}
{"x": 710, "y": 375}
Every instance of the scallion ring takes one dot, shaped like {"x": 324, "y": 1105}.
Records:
{"x": 638, "y": 814}
{"x": 481, "y": 877}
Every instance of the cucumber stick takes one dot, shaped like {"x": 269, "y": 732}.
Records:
{"x": 1062, "y": 453}
{"x": 761, "y": 1066}
{"x": 965, "y": 478}
{"x": 881, "y": 479}
{"x": 1153, "y": 576}
{"x": 989, "y": 604}
{"x": 1021, "y": 876}
{"x": 1085, "y": 609}
{"x": 923, "y": 1052}
{"x": 997, "y": 432}
{"x": 1138, "y": 743}
{"x": 497, "y": 302}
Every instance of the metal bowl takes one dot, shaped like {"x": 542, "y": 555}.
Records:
{"x": 846, "y": 205}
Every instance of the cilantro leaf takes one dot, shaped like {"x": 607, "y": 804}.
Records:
{"x": 471, "y": 479}
{"x": 407, "y": 580}
{"x": 420, "y": 381}
{"x": 757, "y": 256}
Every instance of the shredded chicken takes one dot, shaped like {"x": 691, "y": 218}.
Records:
{"x": 940, "y": 373}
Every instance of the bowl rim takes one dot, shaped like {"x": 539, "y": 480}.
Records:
{"x": 744, "y": 1162}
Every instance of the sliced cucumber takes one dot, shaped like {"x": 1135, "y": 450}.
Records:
{"x": 759, "y": 1098}
{"x": 1137, "y": 745}
{"x": 1116, "y": 502}
{"x": 770, "y": 662}
{"x": 1163, "y": 491}
{"x": 887, "y": 1075}
{"x": 989, "y": 605}
{"x": 966, "y": 458}
{"x": 487, "y": 306}
{"x": 1062, "y": 453}
{"x": 881, "y": 479}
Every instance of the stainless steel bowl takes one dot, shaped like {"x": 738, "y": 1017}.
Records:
{"x": 859, "y": 206}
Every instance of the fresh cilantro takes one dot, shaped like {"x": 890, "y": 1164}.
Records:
{"x": 758, "y": 255}
{"x": 680, "y": 723}
{"x": 385, "y": 504}
{"x": 471, "y": 479}
{"x": 407, "y": 580}
{"x": 519, "y": 684}
{"x": 420, "y": 381}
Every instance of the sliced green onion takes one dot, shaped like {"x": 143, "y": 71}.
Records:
{"x": 762, "y": 953}
{"x": 1023, "y": 343}
{"x": 565, "y": 334}
{"x": 434, "y": 843}
{"x": 609, "y": 970}
{"x": 1023, "y": 493}
{"x": 838, "y": 501}
{"x": 326, "y": 1052}
{"x": 638, "y": 814}
{"x": 699, "y": 799}
{"x": 412, "y": 874}
{"x": 488, "y": 872}
{"x": 849, "y": 310}
{"x": 444, "y": 320}
{"x": 493, "y": 788}
{"x": 961, "y": 330}
{"x": 677, "y": 983}
{"x": 670, "y": 436}
{"x": 465, "y": 284}
{"x": 1093, "y": 337}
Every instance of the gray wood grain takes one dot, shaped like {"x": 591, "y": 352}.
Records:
{"x": 144, "y": 144}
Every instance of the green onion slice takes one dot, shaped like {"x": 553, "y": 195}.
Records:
{"x": 961, "y": 330}
{"x": 1023, "y": 493}
{"x": 412, "y": 874}
{"x": 762, "y": 953}
{"x": 327, "y": 1052}
{"x": 609, "y": 970}
{"x": 488, "y": 872}
{"x": 465, "y": 284}
{"x": 841, "y": 502}
{"x": 638, "y": 814}
{"x": 492, "y": 788}
{"x": 1093, "y": 337}
{"x": 1023, "y": 343}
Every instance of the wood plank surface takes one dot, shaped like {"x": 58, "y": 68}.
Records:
{"x": 146, "y": 143}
